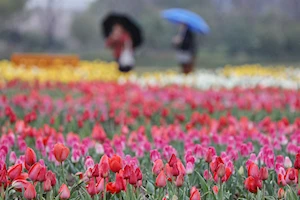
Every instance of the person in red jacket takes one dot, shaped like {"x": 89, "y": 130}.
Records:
{"x": 121, "y": 44}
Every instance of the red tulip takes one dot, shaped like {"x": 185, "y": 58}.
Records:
{"x": 52, "y": 177}
{"x": 110, "y": 187}
{"x": 64, "y": 192}
{"x": 139, "y": 174}
{"x": 37, "y": 172}
{"x": 14, "y": 171}
{"x": 215, "y": 189}
{"x": 91, "y": 187}
{"x": 253, "y": 170}
{"x": 280, "y": 193}
{"x": 133, "y": 179}
{"x": 157, "y": 166}
{"x": 252, "y": 184}
{"x": 115, "y": 163}
{"x": 161, "y": 180}
{"x": 209, "y": 155}
{"x": 173, "y": 160}
{"x": 179, "y": 180}
{"x": 30, "y": 192}
{"x": 175, "y": 171}
{"x": 195, "y": 194}
{"x": 168, "y": 171}
{"x": 98, "y": 133}
{"x": 120, "y": 183}
{"x": 127, "y": 172}
{"x": 297, "y": 162}
{"x": 228, "y": 173}
{"x": 214, "y": 165}
{"x": 47, "y": 185}
{"x": 61, "y": 152}
{"x": 3, "y": 174}
{"x": 264, "y": 173}
{"x": 180, "y": 167}
{"x": 291, "y": 176}
{"x": 95, "y": 171}
{"x": 221, "y": 170}
{"x": 281, "y": 180}
{"x": 30, "y": 158}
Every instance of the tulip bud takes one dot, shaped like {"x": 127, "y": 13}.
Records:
{"x": 215, "y": 189}
{"x": 241, "y": 170}
{"x": 287, "y": 162}
{"x": 280, "y": 193}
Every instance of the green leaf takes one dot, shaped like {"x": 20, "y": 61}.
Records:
{"x": 204, "y": 186}
{"x": 291, "y": 193}
{"x": 259, "y": 195}
{"x": 150, "y": 188}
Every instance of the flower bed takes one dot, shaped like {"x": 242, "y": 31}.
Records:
{"x": 64, "y": 138}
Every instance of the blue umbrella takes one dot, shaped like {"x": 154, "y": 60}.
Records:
{"x": 191, "y": 19}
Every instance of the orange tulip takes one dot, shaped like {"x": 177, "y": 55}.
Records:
{"x": 161, "y": 180}
{"x": 30, "y": 192}
{"x": 64, "y": 192}
{"x": 115, "y": 163}
{"x": 61, "y": 152}
{"x": 14, "y": 171}
{"x": 30, "y": 158}
{"x": 111, "y": 187}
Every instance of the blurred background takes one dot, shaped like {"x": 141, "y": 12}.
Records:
{"x": 242, "y": 31}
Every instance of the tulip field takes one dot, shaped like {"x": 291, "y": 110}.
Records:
{"x": 90, "y": 132}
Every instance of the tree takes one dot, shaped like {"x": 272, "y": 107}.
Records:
{"x": 10, "y": 7}
{"x": 85, "y": 28}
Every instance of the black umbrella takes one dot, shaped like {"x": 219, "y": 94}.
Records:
{"x": 132, "y": 27}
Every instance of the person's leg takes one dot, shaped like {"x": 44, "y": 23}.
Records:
{"x": 187, "y": 68}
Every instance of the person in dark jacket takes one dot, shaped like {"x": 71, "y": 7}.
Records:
{"x": 185, "y": 44}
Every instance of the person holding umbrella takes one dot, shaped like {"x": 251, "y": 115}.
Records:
{"x": 122, "y": 36}
{"x": 185, "y": 41}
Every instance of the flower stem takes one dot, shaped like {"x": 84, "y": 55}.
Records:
{"x": 298, "y": 179}
{"x": 104, "y": 191}
{"x": 2, "y": 190}
{"x": 62, "y": 171}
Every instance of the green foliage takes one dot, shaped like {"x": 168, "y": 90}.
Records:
{"x": 10, "y": 7}
{"x": 85, "y": 28}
